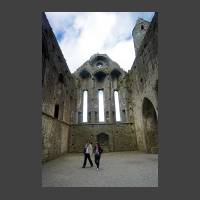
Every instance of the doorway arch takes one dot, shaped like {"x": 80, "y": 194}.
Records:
{"x": 150, "y": 126}
{"x": 103, "y": 140}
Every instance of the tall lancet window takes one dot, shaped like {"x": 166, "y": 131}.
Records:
{"x": 85, "y": 105}
{"x": 101, "y": 106}
{"x": 117, "y": 110}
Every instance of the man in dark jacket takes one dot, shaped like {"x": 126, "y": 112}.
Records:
{"x": 97, "y": 154}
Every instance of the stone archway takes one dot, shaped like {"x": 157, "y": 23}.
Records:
{"x": 150, "y": 126}
{"x": 103, "y": 140}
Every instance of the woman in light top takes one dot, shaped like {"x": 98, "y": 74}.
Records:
{"x": 87, "y": 153}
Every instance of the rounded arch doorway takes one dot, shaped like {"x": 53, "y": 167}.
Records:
{"x": 103, "y": 140}
{"x": 150, "y": 126}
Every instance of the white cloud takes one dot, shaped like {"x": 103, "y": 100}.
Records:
{"x": 123, "y": 53}
{"x": 84, "y": 34}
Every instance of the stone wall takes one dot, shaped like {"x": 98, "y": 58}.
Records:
{"x": 108, "y": 77}
{"x": 58, "y": 96}
{"x": 121, "y": 136}
{"x": 142, "y": 80}
{"x": 55, "y": 135}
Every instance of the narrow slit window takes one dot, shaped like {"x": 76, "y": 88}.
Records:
{"x": 101, "y": 106}
{"x": 85, "y": 105}
{"x": 56, "y": 111}
{"x": 117, "y": 110}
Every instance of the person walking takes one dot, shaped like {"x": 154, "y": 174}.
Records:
{"x": 87, "y": 153}
{"x": 97, "y": 154}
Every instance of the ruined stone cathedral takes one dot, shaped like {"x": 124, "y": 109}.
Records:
{"x": 67, "y": 125}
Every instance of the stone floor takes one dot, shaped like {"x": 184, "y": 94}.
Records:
{"x": 117, "y": 169}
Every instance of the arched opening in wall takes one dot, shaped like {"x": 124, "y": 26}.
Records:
{"x": 115, "y": 74}
{"x": 100, "y": 76}
{"x": 103, "y": 140}
{"x": 150, "y": 126}
{"x": 84, "y": 74}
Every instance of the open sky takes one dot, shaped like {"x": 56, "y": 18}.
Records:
{"x": 82, "y": 34}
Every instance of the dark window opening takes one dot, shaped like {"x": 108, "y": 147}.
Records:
{"x": 107, "y": 115}
{"x": 79, "y": 117}
{"x": 46, "y": 31}
{"x": 115, "y": 74}
{"x": 113, "y": 116}
{"x": 100, "y": 75}
{"x": 59, "y": 58}
{"x": 141, "y": 80}
{"x": 103, "y": 139}
{"x": 142, "y": 27}
{"x": 61, "y": 78}
{"x": 96, "y": 116}
{"x": 89, "y": 117}
{"x": 53, "y": 47}
{"x": 124, "y": 115}
{"x": 56, "y": 111}
{"x": 84, "y": 74}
